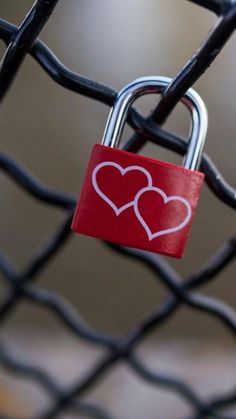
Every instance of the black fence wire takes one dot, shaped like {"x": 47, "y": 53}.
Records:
{"x": 21, "y": 41}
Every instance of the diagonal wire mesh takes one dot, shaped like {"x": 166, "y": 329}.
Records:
{"x": 21, "y": 41}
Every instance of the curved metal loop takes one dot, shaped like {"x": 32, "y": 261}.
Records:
{"x": 155, "y": 84}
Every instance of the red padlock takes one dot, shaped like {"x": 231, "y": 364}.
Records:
{"x": 138, "y": 201}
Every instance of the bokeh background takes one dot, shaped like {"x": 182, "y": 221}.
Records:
{"x": 51, "y": 131}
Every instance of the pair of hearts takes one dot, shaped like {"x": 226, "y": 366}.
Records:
{"x": 149, "y": 188}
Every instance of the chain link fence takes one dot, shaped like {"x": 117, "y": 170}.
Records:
{"x": 21, "y": 41}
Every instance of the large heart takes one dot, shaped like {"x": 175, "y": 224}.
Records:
{"x": 185, "y": 217}
{"x": 123, "y": 171}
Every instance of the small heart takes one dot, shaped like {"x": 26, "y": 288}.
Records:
{"x": 167, "y": 200}
{"x": 122, "y": 171}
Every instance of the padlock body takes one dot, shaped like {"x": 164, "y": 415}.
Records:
{"x": 137, "y": 201}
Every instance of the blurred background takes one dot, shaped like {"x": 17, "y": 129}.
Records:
{"x": 51, "y": 131}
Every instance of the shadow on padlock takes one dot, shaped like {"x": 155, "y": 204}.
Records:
{"x": 137, "y": 201}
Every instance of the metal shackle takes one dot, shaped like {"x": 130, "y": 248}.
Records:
{"x": 155, "y": 84}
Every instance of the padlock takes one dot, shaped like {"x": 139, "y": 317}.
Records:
{"x": 137, "y": 201}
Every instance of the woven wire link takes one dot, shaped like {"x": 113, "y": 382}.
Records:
{"x": 21, "y": 41}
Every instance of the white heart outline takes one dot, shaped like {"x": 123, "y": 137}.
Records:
{"x": 123, "y": 171}
{"x": 166, "y": 199}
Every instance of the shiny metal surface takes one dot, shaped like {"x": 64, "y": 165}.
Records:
{"x": 155, "y": 84}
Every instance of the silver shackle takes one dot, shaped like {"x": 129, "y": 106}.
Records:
{"x": 155, "y": 84}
